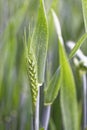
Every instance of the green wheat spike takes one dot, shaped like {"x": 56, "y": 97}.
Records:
{"x": 32, "y": 76}
{"x": 31, "y": 72}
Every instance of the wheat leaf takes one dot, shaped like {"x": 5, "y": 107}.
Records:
{"x": 77, "y": 45}
{"x": 52, "y": 89}
{"x": 39, "y": 42}
{"x": 68, "y": 91}
{"x": 84, "y": 6}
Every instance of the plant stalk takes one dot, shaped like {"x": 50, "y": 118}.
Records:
{"x": 85, "y": 100}
{"x": 35, "y": 119}
{"x": 37, "y": 111}
{"x": 46, "y": 116}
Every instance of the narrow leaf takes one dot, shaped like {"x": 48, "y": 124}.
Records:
{"x": 39, "y": 42}
{"x": 52, "y": 89}
{"x": 84, "y": 6}
{"x": 57, "y": 27}
{"x": 77, "y": 45}
{"x": 68, "y": 92}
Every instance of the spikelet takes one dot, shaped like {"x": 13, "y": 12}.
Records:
{"x": 32, "y": 76}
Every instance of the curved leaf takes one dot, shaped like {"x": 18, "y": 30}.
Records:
{"x": 52, "y": 89}
{"x": 39, "y": 42}
{"x": 77, "y": 45}
{"x": 68, "y": 92}
{"x": 84, "y": 6}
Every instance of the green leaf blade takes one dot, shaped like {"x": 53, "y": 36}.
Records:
{"x": 84, "y": 6}
{"x": 67, "y": 91}
{"x": 77, "y": 46}
{"x": 52, "y": 89}
{"x": 39, "y": 42}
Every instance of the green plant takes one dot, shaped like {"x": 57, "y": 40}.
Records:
{"x": 39, "y": 84}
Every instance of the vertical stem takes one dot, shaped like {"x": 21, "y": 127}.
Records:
{"x": 33, "y": 127}
{"x": 44, "y": 110}
{"x": 85, "y": 100}
{"x": 46, "y": 116}
{"x": 35, "y": 119}
{"x": 37, "y": 111}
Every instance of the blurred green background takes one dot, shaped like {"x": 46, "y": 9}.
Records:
{"x": 15, "y": 98}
